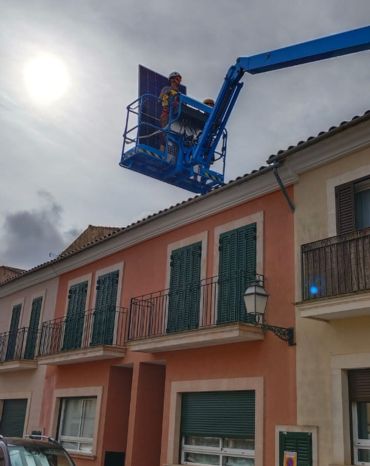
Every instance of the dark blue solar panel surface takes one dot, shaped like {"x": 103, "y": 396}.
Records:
{"x": 152, "y": 83}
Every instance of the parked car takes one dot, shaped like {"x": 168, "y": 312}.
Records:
{"x": 33, "y": 451}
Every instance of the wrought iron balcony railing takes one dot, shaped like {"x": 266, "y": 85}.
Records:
{"x": 97, "y": 327}
{"x": 18, "y": 345}
{"x": 207, "y": 303}
{"x": 336, "y": 266}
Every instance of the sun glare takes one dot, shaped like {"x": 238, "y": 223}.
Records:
{"x": 46, "y": 78}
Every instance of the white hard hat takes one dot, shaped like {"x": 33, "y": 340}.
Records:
{"x": 174, "y": 74}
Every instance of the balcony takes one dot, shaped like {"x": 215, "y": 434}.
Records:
{"x": 207, "y": 313}
{"x": 17, "y": 350}
{"x": 89, "y": 336}
{"x": 336, "y": 276}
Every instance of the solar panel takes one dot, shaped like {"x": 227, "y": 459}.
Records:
{"x": 152, "y": 83}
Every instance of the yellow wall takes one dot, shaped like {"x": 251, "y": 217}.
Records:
{"x": 319, "y": 341}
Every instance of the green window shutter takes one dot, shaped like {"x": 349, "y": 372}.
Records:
{"x": 74, "y": 323}
{"x": 184, "y": 294}
{"x": 237, "y": 269}
{"x": 300, "y": 442}
{"x": 33, "y": 327}
{"x": 219, "y": 414}
{"x": 13, "y": 333}
{"x": 13, "y": 417}
{"x": 105, "y": 309}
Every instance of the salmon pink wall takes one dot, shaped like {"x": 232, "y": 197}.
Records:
{"x": 147, "y": 430}
{"x": 145, "y": 271}
{"x": 270, "y": 358}
{"x": 117, "y": 410}
{"x": 145, "y": 264}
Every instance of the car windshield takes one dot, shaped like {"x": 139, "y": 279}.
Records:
{"x": 37, "y": 456}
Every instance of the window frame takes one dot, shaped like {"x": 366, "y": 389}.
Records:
{"x": 357, "y": 443}
{"x": 359, "y": 186}
{"x": 78, "y": 392}
{"x": 345, "y": 222}
{"x": 219, "y": 451}
{"x": 200, "y": 385}
{"x": 76, "y": 439}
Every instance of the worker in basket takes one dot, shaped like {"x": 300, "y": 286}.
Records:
{"x": 168, "y": 97}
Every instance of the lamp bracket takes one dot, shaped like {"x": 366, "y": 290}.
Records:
{"x": 286, "y": 334}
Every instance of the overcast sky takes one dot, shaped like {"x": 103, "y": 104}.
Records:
{"x": 59, "y": 163}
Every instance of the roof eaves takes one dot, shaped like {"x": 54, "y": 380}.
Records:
{"x": 273, "y": 159}
{"x": 149, "y": 218}
{"x": 283, "y": 154}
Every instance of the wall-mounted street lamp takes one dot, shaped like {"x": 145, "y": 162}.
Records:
{"x": 255, "y": 299}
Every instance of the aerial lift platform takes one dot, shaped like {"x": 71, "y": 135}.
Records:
{"x": 195, "y": 137}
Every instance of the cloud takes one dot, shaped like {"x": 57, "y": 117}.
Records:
{"x": 34, "y": 236}
{"x": 72, "y": 148}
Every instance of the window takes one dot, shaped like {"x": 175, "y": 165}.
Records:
{"x": 361, "y": 431}
{"x": 77, "y": 421}
{"x": 218, "y": 428}
{"x": 298, "y": 442}
{"x": 37, "y": 455}
{"x": 359, "y": 391}
{"x": 353, "y": 205}
{"x": 362, "y": 203}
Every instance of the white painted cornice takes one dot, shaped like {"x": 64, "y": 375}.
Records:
{"x": 329, "y": 149}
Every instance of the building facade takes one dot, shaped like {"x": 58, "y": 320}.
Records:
{"x": 332, "y": 243}
{"x": 150, "y": 356}
{"x": 139, "y": 347}
{"x": 23, "y": 308}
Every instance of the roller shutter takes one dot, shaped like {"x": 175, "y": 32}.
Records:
{"x": 219, "y": 414}
{"x": 12, "y": 418}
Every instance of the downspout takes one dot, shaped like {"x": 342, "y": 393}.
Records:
{"x": 275, "y": 166}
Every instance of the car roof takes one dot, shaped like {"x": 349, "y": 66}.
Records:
{"x": 28, "y": 442}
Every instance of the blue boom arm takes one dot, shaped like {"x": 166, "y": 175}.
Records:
{"x": 190, "y": 150}
{"x": 306, "y": 52}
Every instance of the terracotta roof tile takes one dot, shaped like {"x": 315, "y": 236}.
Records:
{"x": 8, "y": 273}
{"x": 88, "y": 236}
